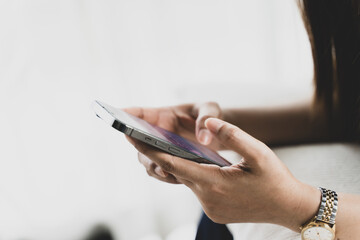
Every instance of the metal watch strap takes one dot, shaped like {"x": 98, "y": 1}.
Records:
{"x": 328, "y": 206}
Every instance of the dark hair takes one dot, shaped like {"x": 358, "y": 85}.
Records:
{"x": 334, "y": 31}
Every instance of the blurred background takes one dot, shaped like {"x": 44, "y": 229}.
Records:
{"x": 62, "y": 170}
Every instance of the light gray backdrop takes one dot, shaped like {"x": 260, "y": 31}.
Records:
{"x": 63, "y": 170}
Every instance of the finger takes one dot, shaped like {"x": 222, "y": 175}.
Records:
{"x": 150, "y": 166}
{"x": 169, "y": 178}
{"x": 135, "y": 111}
{"x": 148, "y": 114}
{"x": 202, "y": 112}
{"x": 180, "y": 168}
{"x": 236, "y": 139}
{"x": 155, "y": 171}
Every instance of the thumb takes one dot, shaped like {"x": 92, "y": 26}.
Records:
{"x": 202, "y": 112}
{"x": 236, "y": 139}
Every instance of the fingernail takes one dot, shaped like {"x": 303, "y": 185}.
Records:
{"x": 214, "y": 124}
{"x": 204, "y": 136}
{"x": 160, "y": 172}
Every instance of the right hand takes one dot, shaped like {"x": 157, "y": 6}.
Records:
{"x": 187, "y": 120}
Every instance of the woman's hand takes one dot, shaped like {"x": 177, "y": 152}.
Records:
{"x": 258, "y": 189}
{"x": 186, "y": 120}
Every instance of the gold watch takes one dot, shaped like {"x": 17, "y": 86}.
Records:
{"x": 322, "y": 226}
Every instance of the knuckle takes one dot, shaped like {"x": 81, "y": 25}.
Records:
{"x": 229, "y": 133}
{"x": 151, "y": 166}
{"x": 168, "y": 166}
{"x": 264, "y": 152}
{"x": 212, "y": 104}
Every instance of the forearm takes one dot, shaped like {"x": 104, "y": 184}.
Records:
{"x": 281, "y": 125}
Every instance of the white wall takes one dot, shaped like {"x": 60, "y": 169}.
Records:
{"x": 62, "y": 169}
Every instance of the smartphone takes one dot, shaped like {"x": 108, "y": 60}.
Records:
{"x": 156, "y": 136}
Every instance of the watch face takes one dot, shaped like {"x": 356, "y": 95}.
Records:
{"x": 317, "y": 233}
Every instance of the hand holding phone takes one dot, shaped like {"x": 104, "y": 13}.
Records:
{"x": 157, "y": 136}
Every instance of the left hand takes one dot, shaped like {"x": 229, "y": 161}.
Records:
{"x": 187, "y": 120}
{"x": 258, "y": 189}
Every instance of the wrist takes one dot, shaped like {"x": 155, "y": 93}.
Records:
{"x": 303, "y": 207}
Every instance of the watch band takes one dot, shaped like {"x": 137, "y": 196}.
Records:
{"x": 328, "y": 206}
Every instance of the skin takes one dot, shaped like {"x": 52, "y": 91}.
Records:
{"x": 258, "y": 189}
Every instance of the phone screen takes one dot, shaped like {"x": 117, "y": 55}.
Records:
{"x": 144, "y": 126}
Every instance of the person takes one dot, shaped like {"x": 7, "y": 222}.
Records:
{"x": 260, "y": 188}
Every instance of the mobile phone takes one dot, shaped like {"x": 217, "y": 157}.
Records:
{"x": 156, "y": 136}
